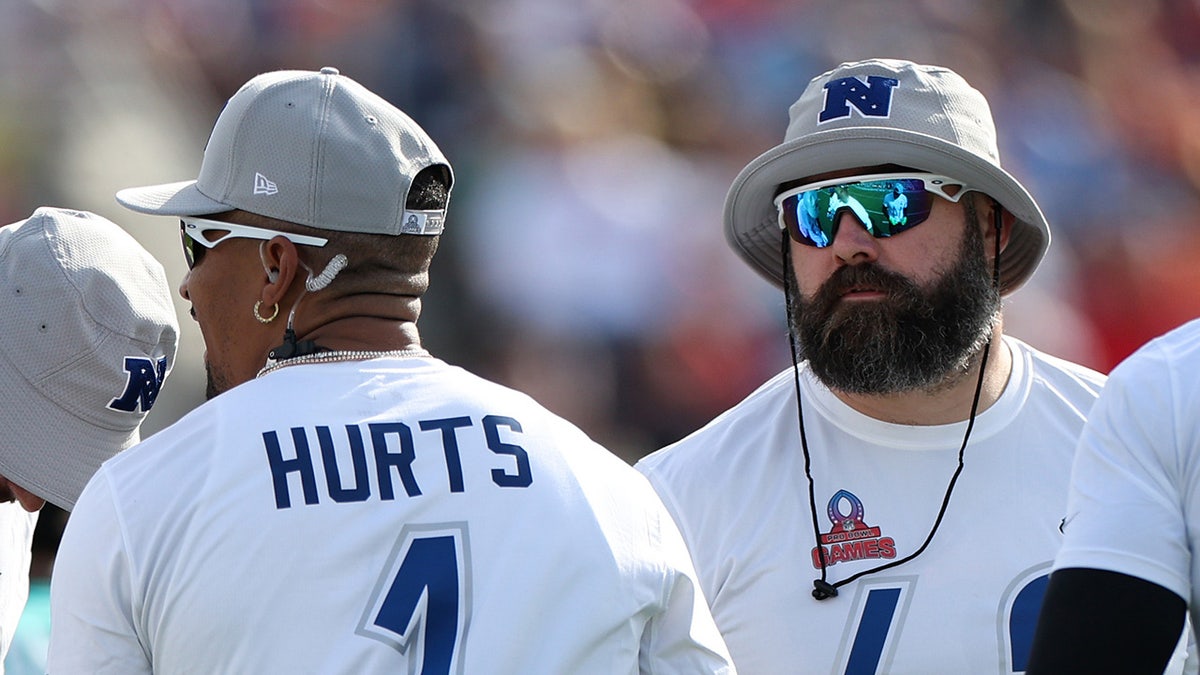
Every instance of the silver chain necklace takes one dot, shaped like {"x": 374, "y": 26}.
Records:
{"x": 340, "y": 355}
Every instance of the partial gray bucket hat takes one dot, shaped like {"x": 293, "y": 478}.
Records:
{"x": 88, "y": 335}
{"x": 875, "y": 112}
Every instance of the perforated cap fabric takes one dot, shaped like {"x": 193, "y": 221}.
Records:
{"x": 312, "y": 148}
{"x": 87, "y": 336}
{"x": 876, "y": 112}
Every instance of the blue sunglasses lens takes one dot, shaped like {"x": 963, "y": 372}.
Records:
{"x": 884, "y": 207}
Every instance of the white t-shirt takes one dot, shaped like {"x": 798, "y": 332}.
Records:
{"x": 396, "y": 515}
{"x": 1134, "y": 503}
{"x": 967, "y": 604}
{"x": 895, "y": 205}
{"x": 16, "y": 539}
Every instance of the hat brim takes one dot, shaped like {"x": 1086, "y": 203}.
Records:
{"x": 171, "y": 199}
{"x": 51, "y": 452}
{"x": 752, "y": 224}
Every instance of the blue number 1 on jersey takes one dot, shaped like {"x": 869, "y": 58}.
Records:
{"x": 421, "y": 603}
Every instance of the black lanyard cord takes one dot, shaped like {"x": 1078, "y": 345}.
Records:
{"x": 822, "y": 589}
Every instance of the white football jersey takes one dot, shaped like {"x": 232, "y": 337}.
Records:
{"x": 16, "y": 539}
{"x": 395, "y": 515}
{"x": 967, "y": 604}
{"x": 1134, "y": 504}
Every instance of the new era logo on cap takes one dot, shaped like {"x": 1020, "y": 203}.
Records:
{"x": 872, "y": 98}
{"x": 263, "y": 186}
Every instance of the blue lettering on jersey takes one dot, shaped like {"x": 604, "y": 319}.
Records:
{"x": 393, "y": 450}
{"x": 385, "y": 460}
{"x": 523, "y": 477}
{"x": 358, "y": 460}
{"x": 143, "y": 384}
{"x": 450, "y": 446}
{"x": 872, "y": 98}
{"x": 280, "y": 468}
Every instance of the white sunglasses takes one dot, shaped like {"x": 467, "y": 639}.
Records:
{"x": 192, "y": 231}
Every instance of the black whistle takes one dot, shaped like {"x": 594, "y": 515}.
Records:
{"x": 823, "y": 590}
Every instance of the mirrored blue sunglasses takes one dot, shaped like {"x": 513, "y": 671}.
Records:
{"x": 885, "y": 204}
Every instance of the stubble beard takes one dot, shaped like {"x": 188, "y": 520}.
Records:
{"x": 914, "y": 339}
{"x": 215, "y": 383}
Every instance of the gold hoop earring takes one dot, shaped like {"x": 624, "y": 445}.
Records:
{"x": 265, "y": 319}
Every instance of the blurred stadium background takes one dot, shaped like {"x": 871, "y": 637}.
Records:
{"x": 594, "y": 141}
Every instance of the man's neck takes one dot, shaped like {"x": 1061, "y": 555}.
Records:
{"x": 361, "y": 322}
{"x": 369, "y": 334}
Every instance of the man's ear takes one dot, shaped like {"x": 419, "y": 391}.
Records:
{"x": 280, "y": 261}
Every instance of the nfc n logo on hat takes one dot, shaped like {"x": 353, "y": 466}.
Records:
{"x": 872, "y": 98}
{"x": 145, "y": 381}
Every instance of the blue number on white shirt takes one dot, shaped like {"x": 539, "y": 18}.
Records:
{"x": 868, "y": 642}
{"x": 882, "y": 605}
{"x": 1023, "y": 601}
{"x": 421, "y": 603}
{"x": 877, "y": 617}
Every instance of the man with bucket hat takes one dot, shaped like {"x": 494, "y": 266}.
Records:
{"x": 87, "y": 335}
{"x": 345, "y": 502}
{"x": 890, "y": 503}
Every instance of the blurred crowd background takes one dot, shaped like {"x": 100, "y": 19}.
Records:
{"x": 594, "y": 141}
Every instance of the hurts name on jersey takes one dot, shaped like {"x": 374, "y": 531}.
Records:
{"x": 367, "y": 460}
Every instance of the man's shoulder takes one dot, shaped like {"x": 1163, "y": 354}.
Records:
{"x": 740, "y": 428}
{"x": 1047, "y": 367}
{"x": 179, "y": 444}
{"x": 1179, "y": 347}
{"x": 1164, "y": 366}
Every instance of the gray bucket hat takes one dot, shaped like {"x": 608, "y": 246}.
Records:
{"x": 88, "y": 335}
{"x": 313, "y": 148}
{"x": 875, "y": 112}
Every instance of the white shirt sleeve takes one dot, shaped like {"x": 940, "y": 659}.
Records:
{"x": 1125, "y": 512}
{"x": 93, "y": 629}
{"x": 683, "y": 638}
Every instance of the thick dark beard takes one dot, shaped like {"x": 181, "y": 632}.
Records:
{"x": 914, "y": 339}
{"x": 214, "y": 384}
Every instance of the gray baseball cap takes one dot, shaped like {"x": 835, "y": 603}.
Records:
{"x": 88, "y": 335}
{"x": 877, "y": 112}
{"x": 312, "y": 148}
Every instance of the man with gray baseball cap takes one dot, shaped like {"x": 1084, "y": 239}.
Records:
{"x": 345, "y": 502}
{"x": 87, "y": 336}
{"x": 891, "y": 502}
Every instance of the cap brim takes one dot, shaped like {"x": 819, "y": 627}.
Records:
{"x": 752, "y": 225}
{"x": 47, "y": 450}
{"x": 172, "y": 199}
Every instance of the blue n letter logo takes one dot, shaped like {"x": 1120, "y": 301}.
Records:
{"x": 872, "y": 98}
{"x": 145, "y": 380}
